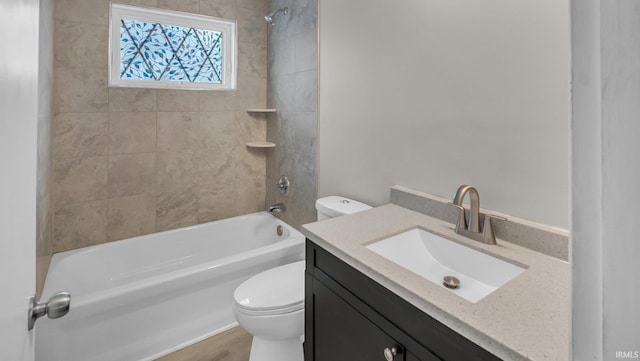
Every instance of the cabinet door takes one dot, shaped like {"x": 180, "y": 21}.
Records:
{"x": 343, "y": 334}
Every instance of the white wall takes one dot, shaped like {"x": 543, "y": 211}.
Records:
{"x": 605, "y": 177}
{"x": 433, "y": 94}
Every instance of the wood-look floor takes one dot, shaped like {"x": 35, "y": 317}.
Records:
{"x": 232, "y": 345}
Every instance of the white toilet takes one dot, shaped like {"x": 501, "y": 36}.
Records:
{"x": 270, "y": 305}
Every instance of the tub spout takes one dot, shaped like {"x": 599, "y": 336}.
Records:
{"x": 277, "y": 208}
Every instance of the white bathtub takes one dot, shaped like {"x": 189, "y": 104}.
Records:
{"x": 144, "y": 297}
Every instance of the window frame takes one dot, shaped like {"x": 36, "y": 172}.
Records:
{"x": 229, "y": 46}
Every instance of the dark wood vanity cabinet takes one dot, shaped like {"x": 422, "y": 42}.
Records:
{"x": 352, "y": 336}
{"x": 350, "y": 317}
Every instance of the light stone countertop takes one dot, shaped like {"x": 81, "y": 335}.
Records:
{"x": 526, "y": 319}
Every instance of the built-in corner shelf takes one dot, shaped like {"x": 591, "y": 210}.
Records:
{"x": 261, "y": 110}
{"x": 261, "y": 145}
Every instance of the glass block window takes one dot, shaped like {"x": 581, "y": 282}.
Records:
{"x": 154, "y": 48}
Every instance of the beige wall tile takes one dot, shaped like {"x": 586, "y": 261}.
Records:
{"x": 282, "y": 95}
{"x": 219, "y": 168}
{"x": 80, "y": 135}
{"x": 303, "y": 202}
{"x": 304, "y": 16}
{"x": 79, "y": 225}
{"x": 132, "y": 100}
{"x": 216, "y": 201}
{"x": 251, "y": 162}
{"x": 217, "y": 129}
{"x": 252, "y": 60}
{"x": 86, "y": 11}
{"x": 300, "y": 167}
{"x": 251, "y": 90}
{"x": 78, "y": 180}
{"x": 250, "y": 185}
{"x": 80, "y": 90}
{"x": 250, "y": 196}
{"x": 306, "y": 98}
{"x": 178, "y": 209}
{"x": 189, "y": 6}
{"x": 178, "y": 100}
{"x": 250, "y": 128}
{"x": 306, "y": 53}
{"x": 217, "y": 165}
{"x": 80, "y": 44}
{"x": 132, "y": 132}
{"x": 177, "y": 130}
{"x": 212, "y": 101}
{"x": 131, "y": 216}
{"x": 177, "y": 170}
{"x": 251, "y": 4}
{"x": 218, "y": 8}
{"x": 132, "y": 174}
{"x": 251, "y": 25}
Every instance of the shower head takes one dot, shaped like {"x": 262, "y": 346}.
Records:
{"x": 269, "y": 18}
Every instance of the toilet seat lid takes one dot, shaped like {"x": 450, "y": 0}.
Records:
{"x": 279, "y": 289}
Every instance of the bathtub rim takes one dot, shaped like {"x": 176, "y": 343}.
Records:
{"x": 65, "y": 254}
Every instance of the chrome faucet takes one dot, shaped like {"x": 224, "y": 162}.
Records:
{"x": 474, "y": 212}
{"x": 277, "y": 208}
{"x": 471, "y": 228}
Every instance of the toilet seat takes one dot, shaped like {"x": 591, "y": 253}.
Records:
{"x": 276, "y": 291}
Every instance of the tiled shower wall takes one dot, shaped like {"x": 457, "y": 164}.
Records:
{"x": 129, "y": 162}
{"x": 293, "y": 91}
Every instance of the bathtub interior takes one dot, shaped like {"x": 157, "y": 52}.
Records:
{"x": 151, "y": 257}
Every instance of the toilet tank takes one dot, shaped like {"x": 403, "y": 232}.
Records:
{"x": 335, "y": 206}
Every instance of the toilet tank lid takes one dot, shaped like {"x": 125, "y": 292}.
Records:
{"x": 335, "y": 206}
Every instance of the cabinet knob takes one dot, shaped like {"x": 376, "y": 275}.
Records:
{"x": 390, "y": 353}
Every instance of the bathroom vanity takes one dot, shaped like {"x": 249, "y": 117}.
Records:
{"x": 362, "y": 306}
{"x": 351, "y": 317}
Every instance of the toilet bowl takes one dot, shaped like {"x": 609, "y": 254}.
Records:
{"x": 270, "y": 306}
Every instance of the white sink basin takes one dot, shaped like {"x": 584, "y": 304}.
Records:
{"x": 434, "y": 258}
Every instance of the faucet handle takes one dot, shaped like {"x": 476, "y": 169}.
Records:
{"x": 487, "y": 229}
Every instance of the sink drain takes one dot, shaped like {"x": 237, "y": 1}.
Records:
{"x": 451, "y": 282}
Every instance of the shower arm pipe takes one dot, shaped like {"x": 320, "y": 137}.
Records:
{"x": 269, "y": 18}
